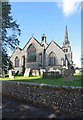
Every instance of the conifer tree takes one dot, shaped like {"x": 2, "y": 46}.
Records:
{"x": 10, "y": 32}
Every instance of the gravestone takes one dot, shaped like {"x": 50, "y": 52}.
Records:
{"x": 16, "y": 73}
{"x": 52, "y": 73}
{"x": 68, "y": 74}
{"x": 42, "y": 71}
{"x": 11, "y": 74}
{"x": 57, "y": 70}
{"x": 27, "y": 72}
{"x": 63, "y": 70}
{"x": 51, "y": 70}
{"x": 77, "y": 71}
{"x": 35, "y": 72}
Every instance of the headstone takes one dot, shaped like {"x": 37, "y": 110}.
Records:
{"x": 65, "y": 74}
{"x": 35, "y": 72}
{"x": 63, "y": 70}
{"x": 42, "y": 71}
{"x": 68, "y": 74}
{"x": 77, "y": 71}
{"x": 27, "y": 72}
{"x": 51, "y": 70}
{"x": 57, "y": 70}
{"x": 16, "y": 73}
{"x": 11, "y": 74}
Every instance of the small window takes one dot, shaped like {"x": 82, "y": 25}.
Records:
{"x": 52, "y": 59}
{"x": 40, "y": 59}
{"x": 66, "y": 50}
{"x": 16, "y": 62}
{"x": 62, "y": 61}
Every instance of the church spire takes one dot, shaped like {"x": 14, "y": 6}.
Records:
{"x": 66, "y": 34}
{"x": 66, "y": 41}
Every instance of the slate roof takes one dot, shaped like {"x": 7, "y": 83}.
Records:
{"x": 56, "y": 45}
{"x": 34, "y": 39}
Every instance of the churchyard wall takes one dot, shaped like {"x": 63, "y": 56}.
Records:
{"x": 64, "y": 101}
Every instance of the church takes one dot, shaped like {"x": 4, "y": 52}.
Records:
{"x": 35, "y": 55}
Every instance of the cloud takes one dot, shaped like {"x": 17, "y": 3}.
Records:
{"x": 82, "y": 5}
{"x": 69, "y": 7}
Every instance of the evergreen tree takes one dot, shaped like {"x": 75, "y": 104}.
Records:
{"x": 10, "y": 33}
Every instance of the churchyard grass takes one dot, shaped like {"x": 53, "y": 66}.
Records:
{"x": 77, "y": 81}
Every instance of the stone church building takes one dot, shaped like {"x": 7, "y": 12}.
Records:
{"x": 37, "y": 55}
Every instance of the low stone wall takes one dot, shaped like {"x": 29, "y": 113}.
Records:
{"x": 64, "y": 101}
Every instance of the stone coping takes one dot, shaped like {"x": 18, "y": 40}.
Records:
{"x": 45, "y": 85}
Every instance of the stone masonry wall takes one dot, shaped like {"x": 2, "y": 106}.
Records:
{"x": 64, "y": 101}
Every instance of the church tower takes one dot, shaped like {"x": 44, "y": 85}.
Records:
{"x": 66, "y": 46}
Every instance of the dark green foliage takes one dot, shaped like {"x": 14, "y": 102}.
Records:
{"x": 10, "y": 65}
{"x": 10, "y": 32}
{"x": 5, "y": 59}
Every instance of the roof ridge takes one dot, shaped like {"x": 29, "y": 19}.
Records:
{"x": 54, "y": 43}
{"x": 30, "y": 39}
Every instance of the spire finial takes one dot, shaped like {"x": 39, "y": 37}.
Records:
{"x": 66, "y": 34}
{"x": 32, "y": 35}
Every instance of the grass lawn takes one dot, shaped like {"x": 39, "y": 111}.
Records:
{"x": 77, "y": 81}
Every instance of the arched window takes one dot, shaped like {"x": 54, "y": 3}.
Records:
{"x": 17, "y": 62}
{"x": 52, "y": 59}
{"x": 40, "y": 59}
{"x": 62, "y": 61}
{"x": 31, "y": 54}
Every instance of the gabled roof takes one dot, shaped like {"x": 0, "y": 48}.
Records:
{"x": 19, "y": 48}
{"x": 15, "y": 50}
{"x": 54, "y": 43}
{"x": 35, "y": 40}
